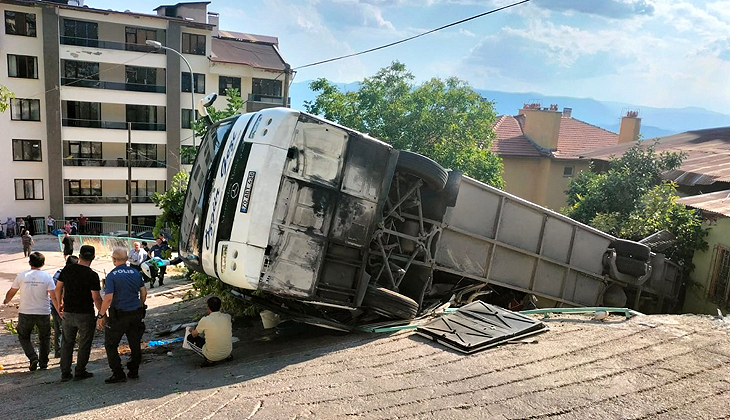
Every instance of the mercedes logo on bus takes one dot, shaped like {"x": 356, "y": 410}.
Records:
{"x": 235, "y": 189}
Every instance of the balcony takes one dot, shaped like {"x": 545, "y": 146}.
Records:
{"x": 92, "y": 199}
{"x": 110, "y": 45}
{"x": 101, "y": 84}
{"x": 114, "y": 125}
{"x": 114, "y": 163}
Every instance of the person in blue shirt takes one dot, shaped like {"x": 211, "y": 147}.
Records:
{"x": 124, "y": 298}
{"x": 156, "y": 251}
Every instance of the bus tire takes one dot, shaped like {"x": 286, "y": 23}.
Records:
{"x": 432, "y": 174}
{"x": 630, "y": 266}
{"x": 390, "y": 303}
{"x": 635, "y": 250}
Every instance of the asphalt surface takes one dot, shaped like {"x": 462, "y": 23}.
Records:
{"x": 649, "y": 367}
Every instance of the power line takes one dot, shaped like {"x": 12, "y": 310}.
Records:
{"x": 413, "y": 37}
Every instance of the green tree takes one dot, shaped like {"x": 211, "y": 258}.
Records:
{"x": 445, "y": 120}
{"x": 631, "y": 201}
{"x": 5, "y": 96}
{"x": 233, "y": 107}
{"x": 172, "y": 204}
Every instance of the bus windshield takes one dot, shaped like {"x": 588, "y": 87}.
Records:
{"x": 196, "y": 198}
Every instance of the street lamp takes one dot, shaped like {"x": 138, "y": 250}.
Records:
{"x": 158, "y": 46}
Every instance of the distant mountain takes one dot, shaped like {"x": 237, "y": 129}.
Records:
{"x": 655, "y": 122}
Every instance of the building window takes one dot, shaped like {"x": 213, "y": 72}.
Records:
{"x": 19, "y": 23}
{"x": 148, "y": 188}
{"x": 29, "y": 189}
{"x": 83, "y": 111}
{"x": 266, "y": 87}
{"x": 84, "y": 187}
{"x": 23, "y": 66}
{"x": 84, "y": 149}
{"x": 199, "y": 80}
{"x": 187, "y": 117}
{"x": 27, "y": 150}
{"x": 187, "y": 154}
{"x": 136, "y": 38}
{"x": 76, "y": 32}
{"x": 141, "y": 75}
{"x": 720, "y": 284}
{"x": 193, "y": 44}
{"x": 25, "y": 109}
{"x": 568, "y": 171}
{"x": 80, "y": 74}
{"x": 225, "y": 82}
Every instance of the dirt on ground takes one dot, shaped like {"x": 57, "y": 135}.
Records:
{"x": 648, "y": 367}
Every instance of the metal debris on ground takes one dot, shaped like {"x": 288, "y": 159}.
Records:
{"x": 479, "y": 326}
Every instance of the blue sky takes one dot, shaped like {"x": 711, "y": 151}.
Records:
{"x": 664, "y": 53}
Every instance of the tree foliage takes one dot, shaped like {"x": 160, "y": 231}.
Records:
{"x": 631, "y": 201}
{"x": 172, "y": 202}
{"x": 5, "y": 96}
{"x": 445, "y": 120}
{"x": 233, "y": 107}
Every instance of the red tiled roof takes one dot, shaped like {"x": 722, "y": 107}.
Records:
{"x": 576, "y": 135}
{"x": 254, "y": 54}
{"x": 510, "y": 140}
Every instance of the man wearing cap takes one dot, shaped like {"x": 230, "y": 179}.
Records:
{"x": 78, "y": 290}
{"x": 124, "y": 297}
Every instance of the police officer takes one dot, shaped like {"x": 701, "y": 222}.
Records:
{"x": 124, "y": 298}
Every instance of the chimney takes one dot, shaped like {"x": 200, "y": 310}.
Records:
{"x": 567, "y": 112}
{"x": 213, "y": 20}
{"x": 542, "y": 126}
{"x": 630, "y": 127}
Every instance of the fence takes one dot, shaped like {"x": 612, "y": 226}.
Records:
{"x": 103, "y": 245}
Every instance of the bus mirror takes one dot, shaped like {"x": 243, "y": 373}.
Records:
{"x": 204, "y": 103}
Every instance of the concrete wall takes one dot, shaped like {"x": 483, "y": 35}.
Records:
{"x": 542, "y": 127}
{"x": 526, "y": 177}
{"x": 696, "y": 299}
{"x": 555, "y": 197}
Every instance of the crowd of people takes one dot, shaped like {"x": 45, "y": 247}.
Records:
{"x": 72, "y": 299}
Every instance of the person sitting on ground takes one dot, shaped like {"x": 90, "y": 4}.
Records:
{"x": 35, "y": 286}
{"x": 57, "y": 330}
{"x": 216, "y": 345}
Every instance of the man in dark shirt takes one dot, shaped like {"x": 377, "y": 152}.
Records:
{"x": 156, "y": 251}
{"x": 78, "y": 288}
{"x": 124, "y": 297}
{"x": 68, "y": 245}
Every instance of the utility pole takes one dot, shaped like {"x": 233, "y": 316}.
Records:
{"x": 287, "y": 80}
{"x": 129, "y": 179}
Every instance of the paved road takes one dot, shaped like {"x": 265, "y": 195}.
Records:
{"x": 663, "y": 367}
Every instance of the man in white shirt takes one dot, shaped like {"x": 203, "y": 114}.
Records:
{"x": 218, "y": 331}
{"x": 34, "y": 286}
{"x": 137, "y": 256}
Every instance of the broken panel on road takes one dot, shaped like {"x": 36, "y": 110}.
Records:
{"x": 479, "y": 326}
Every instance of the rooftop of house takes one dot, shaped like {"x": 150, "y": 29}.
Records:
{"x": 716, "y": 203}
{"x": 707, "y": 155}
{"x": 575, "y": 136}
{"x": 239, "y": 51}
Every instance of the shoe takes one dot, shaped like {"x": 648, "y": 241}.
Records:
{"x": 116, "y": 378}
{"x": 80, "y": 376}
{"x": 65, "y": 377}
{"x": 133, "y": 374}
{"x": 161, "y": 283}
{"x": 43, "y": 367}
{"x": 207, "y": 363}
{"x": 33, "y": 365}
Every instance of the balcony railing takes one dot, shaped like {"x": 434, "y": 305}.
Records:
{"x": 116, "y": 125}
{"x": 111, "y": 45}
{"x": 119, "y": 162}
{"x": 265, "y": 99}
{"x": 95, "y": 199}
{"x": 102, "y": 84}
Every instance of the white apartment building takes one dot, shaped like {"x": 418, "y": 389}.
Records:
{"x": 81, "y": 75}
